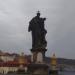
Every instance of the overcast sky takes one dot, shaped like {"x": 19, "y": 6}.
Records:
{"x": 60, "y": 24}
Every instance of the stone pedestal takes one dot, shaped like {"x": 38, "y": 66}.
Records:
{"x": 38, "y": 69}
{"x": 38, "y": 55}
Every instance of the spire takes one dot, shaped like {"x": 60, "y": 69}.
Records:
{"x": 53, "y": 55}
{"x": 21, "y": 58}
{"x": 53, "y": 60}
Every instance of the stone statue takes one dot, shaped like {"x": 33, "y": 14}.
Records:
{"x": 36, "y": 26}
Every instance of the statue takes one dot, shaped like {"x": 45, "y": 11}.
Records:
{"x": 36, "y": 26}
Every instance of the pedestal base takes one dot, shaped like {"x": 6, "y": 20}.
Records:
{"x": 38, "y": 69}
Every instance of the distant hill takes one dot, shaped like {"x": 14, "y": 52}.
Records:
{"x": 62, "y": 61}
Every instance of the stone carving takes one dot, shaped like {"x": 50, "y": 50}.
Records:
{"x": 36, "y": 26}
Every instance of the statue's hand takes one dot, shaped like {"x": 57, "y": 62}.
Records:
{"x": 44, "y": 18}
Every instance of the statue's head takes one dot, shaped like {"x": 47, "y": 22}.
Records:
{"x": 38, "y": 13}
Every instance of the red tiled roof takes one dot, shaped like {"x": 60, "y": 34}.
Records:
{"x": 13, "y": 64}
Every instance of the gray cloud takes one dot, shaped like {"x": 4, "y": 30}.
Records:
{"x": 16, "y": 14}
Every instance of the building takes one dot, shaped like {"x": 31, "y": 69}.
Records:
{"x": 7, "y": 56}
{"x": 10, "y": 65}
